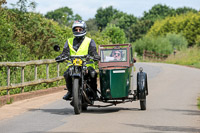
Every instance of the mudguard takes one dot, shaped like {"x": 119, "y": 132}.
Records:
{"x": 142, "y": 86}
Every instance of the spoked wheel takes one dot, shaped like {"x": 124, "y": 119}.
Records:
{"x": 77, "y": 99}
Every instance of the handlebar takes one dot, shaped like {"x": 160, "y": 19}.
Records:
{"x": 87, "y": 57}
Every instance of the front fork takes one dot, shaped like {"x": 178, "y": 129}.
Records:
{"x": 77, "y": 72}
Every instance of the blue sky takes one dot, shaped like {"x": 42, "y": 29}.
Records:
{"x": 87, "y": 8}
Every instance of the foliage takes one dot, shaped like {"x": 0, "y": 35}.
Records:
{"x": 139, "y": 29}
{"x": 116, "y": 34}
{"x": 124, "y": 21}
{"x": 25, "y": 5}
{"x": 8, "y": 47}
{"x": 185, "y": 10}
{"x": 1, "y": 3}
{"x": 157, "y": 12}
{"x": 100, "y": 38}
{"x": 198, "y": 41}
{"x": 104, "y": 16}
{"x": 35, "y": 35}
{"x": 92, "y": 25}
{"x": 63, "y": 15}
{"x": 177, "y": 41}
{"x": 159, "y": 45}
{"x": 187, "y": 24}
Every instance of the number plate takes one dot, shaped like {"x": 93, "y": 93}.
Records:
{"x": 77, "y": 62}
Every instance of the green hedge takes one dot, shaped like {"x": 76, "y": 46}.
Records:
{"x": 160, "y": 44}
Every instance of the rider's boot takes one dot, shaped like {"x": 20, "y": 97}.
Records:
{"x": 68, "y": 80}
{"x": 67, "y": 96}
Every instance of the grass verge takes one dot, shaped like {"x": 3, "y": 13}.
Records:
{"x": 188, "y": 57}
{"x": 198, "y": 104}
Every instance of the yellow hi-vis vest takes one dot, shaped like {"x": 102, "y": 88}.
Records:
{"x": 82, "y": 50}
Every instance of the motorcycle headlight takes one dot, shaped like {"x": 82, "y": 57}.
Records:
{"x": 71, "y": 69}
{"x": 84, "y": 67}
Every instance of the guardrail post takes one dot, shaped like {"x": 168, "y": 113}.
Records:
{"x": 58, "y": 70}
{"x": 22, "y": 79}
{"x": 8, "y": 79}
{"x": 35, "y": 72}
{"x": 47, "y": 70}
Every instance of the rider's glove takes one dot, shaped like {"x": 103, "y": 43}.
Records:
{"x": 97, "y": 57}
{"x": 87, "y": 58}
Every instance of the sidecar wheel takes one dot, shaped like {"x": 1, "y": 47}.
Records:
{"x": 77, "y": 100}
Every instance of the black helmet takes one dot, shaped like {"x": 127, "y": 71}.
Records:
{"x": 79, "y": 23}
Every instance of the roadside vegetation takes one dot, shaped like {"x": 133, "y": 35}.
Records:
{"x": 27, "y": 35}
{"x": 187, "y": 56}
{"x": 198, "y": 103}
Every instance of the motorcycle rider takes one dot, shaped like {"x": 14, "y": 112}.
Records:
{"x": 79, "y": 45}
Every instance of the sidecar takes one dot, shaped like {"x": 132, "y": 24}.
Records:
{"x": 116, "y": 76}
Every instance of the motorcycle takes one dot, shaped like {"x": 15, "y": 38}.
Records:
{"x": 115, "y": 76}
{"x": 82, "y": 94}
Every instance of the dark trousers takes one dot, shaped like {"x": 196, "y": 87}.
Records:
{"x": 91, "y": 77}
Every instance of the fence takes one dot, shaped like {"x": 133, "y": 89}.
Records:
{"x": 36, "y": 81}
{"x": 153, "y": 55}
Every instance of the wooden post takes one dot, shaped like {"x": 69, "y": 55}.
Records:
{"x": 35, "y": 72}
{"x": 8, "y": 79}
{"x": 47, "y": 70}
{"x": 143, "y": 54}
{"x": 22, "y": 79}
{"x": 58, "y": 70}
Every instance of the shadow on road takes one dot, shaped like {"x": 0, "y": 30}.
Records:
{"x": 186, "y": 112}
{"x": 63, "y": 111}
{"x": 104, "y": 110}
{"x": 167, "y": 128}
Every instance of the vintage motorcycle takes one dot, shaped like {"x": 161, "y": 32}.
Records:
{"x": 82, "y": 94}
{"x": 111, "y": 71}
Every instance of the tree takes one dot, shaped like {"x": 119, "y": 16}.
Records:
{"x": 124, "y": 21}
{"x": 185, "y": 24}
{"x": 2, "y": 2}
{"x": 63, "y": 15}
{"x": 24, "y": 5}
{"x": 104, "y": 16}
{"x": 92, "y": 25}
{"x": 158, "y": 11}
{"x": 185, "y": 10}
{"x": 116, "y": 34}
{"x": 139, "y": 29}
{"x": 141, "y": 26}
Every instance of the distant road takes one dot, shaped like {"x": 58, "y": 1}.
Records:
{"x": 171, "y": 107}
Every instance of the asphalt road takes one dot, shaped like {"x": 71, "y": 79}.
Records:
{"x": 171, "y": 107}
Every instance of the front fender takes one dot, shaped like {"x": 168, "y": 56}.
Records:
{"x": 142, "y": 87}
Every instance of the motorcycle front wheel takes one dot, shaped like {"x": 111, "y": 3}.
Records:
{"x": 77, "y": 100}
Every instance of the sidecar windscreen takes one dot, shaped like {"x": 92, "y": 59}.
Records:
{"x": 113, "y": 55}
